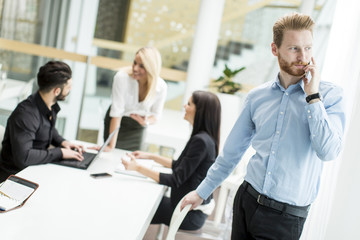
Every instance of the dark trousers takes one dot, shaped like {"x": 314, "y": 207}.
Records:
{"x": 253, "y": 221}
{"x": 194, "y": 220}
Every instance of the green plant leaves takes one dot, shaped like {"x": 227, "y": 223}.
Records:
{"x": 225, "y": 84}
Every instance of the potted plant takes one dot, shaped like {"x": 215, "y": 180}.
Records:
{"x": 230, "y": 98}
{"x": 225, "y": 83}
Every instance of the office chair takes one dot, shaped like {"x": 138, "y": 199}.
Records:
{"x": 176, "y": 220}
{"x": 232, "y": 183}
{"x": 216, "y": 230}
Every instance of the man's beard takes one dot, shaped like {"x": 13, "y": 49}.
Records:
{"x": 61, "y": 96}
{"x": 289, "y": 67}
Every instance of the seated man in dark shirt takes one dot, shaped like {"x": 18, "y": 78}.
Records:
{"x": 30, "y": 129}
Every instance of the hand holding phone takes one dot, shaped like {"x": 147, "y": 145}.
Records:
{"x": 311, "y": 78}
{"x": 100, "y": 175}
{"x": 307, "y": 74}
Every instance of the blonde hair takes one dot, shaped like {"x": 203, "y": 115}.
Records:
{"x": 151, "y": 59}
{"x": 293, "y": 21}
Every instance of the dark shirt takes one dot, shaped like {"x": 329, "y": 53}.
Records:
{"x": 30, "y": 130}
{"x": 191, "y": 167}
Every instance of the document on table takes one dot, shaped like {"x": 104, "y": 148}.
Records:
{"x": 14, "y": 191}
{"x": 7, "y": 203}
{"x": 120, "y": 168}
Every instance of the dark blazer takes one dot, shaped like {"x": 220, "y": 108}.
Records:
{"x": 191, "y": 167}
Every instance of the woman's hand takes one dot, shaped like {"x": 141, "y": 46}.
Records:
{"x": 97, "y": 148}
{"x": 130, "y": 165}
{"x": 142, "y": 155}
{"x": 140, "y": 119}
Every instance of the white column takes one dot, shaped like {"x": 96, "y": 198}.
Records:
{"x": 307, "y": 7}
{"x": 204, "y": 45}
{"x": 78, "y": 38}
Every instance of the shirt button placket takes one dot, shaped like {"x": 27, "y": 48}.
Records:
{"x": 275, "y": 143}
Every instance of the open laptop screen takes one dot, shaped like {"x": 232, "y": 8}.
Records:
{"x": 88, "y": 157}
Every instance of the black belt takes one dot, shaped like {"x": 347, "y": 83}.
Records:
{"x": 271, "y": 203}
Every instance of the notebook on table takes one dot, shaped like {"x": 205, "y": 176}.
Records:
{"x": 14, "y": 192}
{"x": 88, "y": 156}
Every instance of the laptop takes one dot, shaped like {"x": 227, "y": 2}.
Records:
{"x": 88, "y": 156}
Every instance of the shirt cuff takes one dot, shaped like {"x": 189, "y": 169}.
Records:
{"x": 56, "y": 154}
{"x": 315, "y": 111}
{"x": 164, "y": 179}
{"x": 203, "y": 190}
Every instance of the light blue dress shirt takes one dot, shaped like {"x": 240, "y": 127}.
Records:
{"x": 292, "y": 140}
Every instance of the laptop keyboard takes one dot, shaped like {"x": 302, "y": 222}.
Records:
{"x": 84, "y": 164}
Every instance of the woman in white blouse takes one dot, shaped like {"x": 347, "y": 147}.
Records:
{"x": 138, "y": 97}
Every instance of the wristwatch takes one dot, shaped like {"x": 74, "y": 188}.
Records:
{"x": 312, "y": 97}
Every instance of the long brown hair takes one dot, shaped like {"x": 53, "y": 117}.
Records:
{"x": 207, "y": 115}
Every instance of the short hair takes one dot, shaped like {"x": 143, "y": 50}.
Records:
{"x": 151, "y": 59}
{"x": 293, "y": 21}
{"x": 52, "y": 75}
{"x": 207, "y": 115}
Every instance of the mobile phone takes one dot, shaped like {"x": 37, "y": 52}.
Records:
{"x": 308, "y": 74}
{"x": 100, "y": 175}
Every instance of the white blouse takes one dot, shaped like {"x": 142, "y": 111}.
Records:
{"x": 125, "y": 97}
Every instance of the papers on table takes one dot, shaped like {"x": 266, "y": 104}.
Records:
{"x": 120, "y": 168}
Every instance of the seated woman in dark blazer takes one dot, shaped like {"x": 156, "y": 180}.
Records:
{"x": 203, "y": 112}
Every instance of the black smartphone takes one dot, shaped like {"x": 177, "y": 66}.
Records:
{"x": 100, "y": 175}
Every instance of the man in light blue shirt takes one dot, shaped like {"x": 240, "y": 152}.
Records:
{"x": 295, "y": 124}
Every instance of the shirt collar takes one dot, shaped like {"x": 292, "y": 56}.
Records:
{"x": 43, "y": 108}
{"x": 291, "y": 88}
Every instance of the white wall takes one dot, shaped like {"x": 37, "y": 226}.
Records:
{"x": 344, "y": 219}
{"x": 344, "y": 222}
{"x": 341, "y": 66}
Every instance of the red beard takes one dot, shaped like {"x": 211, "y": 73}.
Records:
{"x": 289, "y": 67}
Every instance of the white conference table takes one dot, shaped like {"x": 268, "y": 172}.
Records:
{"x": 69, "y": 204}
